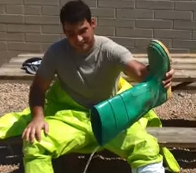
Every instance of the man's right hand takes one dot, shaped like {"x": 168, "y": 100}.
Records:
{"x": 33, "y": 130}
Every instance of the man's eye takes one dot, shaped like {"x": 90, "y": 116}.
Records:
{"x": 83, "y": 31}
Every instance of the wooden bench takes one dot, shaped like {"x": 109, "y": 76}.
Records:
{"x": 180, "y": 137}
{"x": 184, "y": 65}
{"x": 185, "y": 70}
{"x": 175, "y": 138}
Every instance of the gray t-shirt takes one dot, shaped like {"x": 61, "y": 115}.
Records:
{"x": 87, "y": 78}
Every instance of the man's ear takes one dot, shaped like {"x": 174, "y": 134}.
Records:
{"x": 63, "y": 28}
{"x": 93, "y": 22}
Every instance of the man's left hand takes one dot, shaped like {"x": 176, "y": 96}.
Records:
{"x": 168, "y": 79}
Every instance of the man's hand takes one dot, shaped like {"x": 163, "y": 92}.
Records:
{"x": 36, "y": 103}
{"x": 168, "y": 79}
{"x": 33, "y": 130}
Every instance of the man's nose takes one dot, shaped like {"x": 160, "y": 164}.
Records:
{"x": 79, "y": 38}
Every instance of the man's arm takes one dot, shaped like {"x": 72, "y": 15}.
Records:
{"x": 136, "y": 70}
{"x": 37, "y": 95}
{"x": 40, "y": 85}
{"x": 36, "y": 103}
{"x": 140, "y": 71}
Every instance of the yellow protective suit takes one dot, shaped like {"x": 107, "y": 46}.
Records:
{"x": 70, "y": 131}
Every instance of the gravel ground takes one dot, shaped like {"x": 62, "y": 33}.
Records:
{"x": 14, "y": 97}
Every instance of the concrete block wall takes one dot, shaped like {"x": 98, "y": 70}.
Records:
{"x": 32, "y": 25}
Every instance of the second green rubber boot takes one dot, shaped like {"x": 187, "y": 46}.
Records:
{"x": 155, "y": 50}
{"x": 110, "y": 117}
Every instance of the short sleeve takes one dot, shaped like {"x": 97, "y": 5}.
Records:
{"x": 120, "y": 55}
{"x": 47, "y": 67}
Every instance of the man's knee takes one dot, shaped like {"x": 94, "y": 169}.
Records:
{"x": 30, "y": 150}
{"x": 37, "y": 149}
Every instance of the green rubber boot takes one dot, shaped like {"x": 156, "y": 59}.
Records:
{"x": 112, "y": 116}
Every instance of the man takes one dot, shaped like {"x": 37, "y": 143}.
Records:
{"x": 87, "y": 68}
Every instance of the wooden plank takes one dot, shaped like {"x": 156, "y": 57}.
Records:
{"x": 179, "y": 76}
{"x": 172, "y": 55}
{"x": 177, "y": 66}
{"x": 185, "y": 67}
{"x": 174, "y": 136}
{"x": 29, "y": 55}
{"x": 137, "y": 55}
{"x": 21, "y": 59}
{"x": 14, "y": 71}
{"x": 18, "y": 59}
{"x": 182, "y": 66}
{"x": 11, "y": 65}
{"x": 191, "y": 86}
{"x": 166, "y": 136}
{"x": 189, "y": 64}
{"x": 174, "y": 60}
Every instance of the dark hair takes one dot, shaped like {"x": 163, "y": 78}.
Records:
{"x": 75, "y": 11}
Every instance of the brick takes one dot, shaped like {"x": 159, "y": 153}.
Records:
{"x": 42, "y": 38}
{"x": 12, "y": 2}
{"x": 178, "y": 24}
{"x": 163, "y": 33}
{"x": 41, "y": 20}
{"x": 184, "y": 43}
{"x": 32, "y": 10}
{"x": 62, "y": 2}
{"x": 11, "y": 36}
{"x": 2, "y": 9}
{"x": 123, "y": 41}
{"x": 173, "y": 50}
{"x": 14, "y": 9}
{"x": 154, "y": 24}
{"x": 103, "y": 12}
{"x": 24, "y": 28}
{"x": 137, "y": 50}
{"x": 116, "y": 4}
{"x": 90, "y": 3}
{"x": 135, "y": 14}
{"x": 155, "y": 5}
{"x": 41, "y": 2}
{"x": 2, "y": 27}
{"x": 116, "y": 22}
{"x": 143, "y": 42}
{"x": 192, "y": 50}
{"x": 45, "y": 46}
{"x": 7, "y": 54}
{"x": 106, "y": 31}
{"x": 167, "y": 14}
{"x": 127, "y": 32}
{"x": 18, "y": 46}
{"x": 52, "y": 29}
{"x": 194, "y": 34}
{"x": 11, "y": 18}
{"x": 50, "y": 10}
{"x": 185, "y": 5}
{"x": 3, "y": 45}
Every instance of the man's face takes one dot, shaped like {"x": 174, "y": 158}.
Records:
{"x": 80, "y": 35}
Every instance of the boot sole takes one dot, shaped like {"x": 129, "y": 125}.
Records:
{"x": 166, "y": 52}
